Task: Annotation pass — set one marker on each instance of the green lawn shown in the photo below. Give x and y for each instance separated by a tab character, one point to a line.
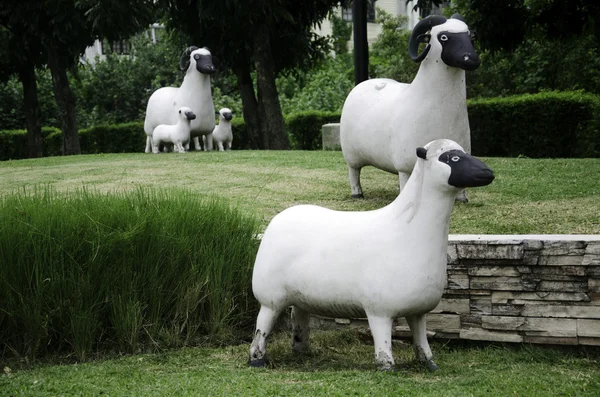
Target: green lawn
551	196
338	364
528	196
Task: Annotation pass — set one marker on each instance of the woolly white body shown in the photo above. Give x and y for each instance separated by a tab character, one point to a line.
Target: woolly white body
384	264
194	93
177	134
223	134
383	120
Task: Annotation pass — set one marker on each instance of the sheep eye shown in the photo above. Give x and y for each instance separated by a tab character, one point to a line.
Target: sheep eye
443	38
196	57
455	159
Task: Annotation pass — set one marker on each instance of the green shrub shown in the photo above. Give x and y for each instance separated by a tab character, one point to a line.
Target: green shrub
140	271
116	138
14	145
550	124
305	128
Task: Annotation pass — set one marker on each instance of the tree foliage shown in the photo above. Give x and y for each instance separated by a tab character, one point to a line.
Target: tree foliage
55	33
266	36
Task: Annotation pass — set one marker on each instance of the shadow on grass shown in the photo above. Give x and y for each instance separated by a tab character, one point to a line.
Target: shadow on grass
337	351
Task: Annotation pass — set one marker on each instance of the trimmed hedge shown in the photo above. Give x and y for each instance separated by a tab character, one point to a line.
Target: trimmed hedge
14	145
305	128
549	124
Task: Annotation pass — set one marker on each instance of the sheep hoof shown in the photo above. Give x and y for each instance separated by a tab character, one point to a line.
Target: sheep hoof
432	366
358	196
258	363
388	368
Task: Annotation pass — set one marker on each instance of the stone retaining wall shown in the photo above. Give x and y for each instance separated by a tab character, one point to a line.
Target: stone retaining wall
532	289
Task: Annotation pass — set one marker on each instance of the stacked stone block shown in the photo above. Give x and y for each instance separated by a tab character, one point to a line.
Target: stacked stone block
531	289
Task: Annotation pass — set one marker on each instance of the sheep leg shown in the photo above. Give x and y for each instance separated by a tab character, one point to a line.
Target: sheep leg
381	328
209	143
197	143
264	325
300	329
418	327
354	174
220	145
148	144
155	147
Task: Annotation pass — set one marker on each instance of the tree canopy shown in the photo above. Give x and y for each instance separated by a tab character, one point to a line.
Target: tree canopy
266	36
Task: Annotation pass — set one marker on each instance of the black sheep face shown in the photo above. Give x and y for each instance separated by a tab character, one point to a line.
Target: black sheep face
466	170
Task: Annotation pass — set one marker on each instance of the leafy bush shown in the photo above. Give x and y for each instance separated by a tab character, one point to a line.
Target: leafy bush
550	124
538	65
12	115
324	88
129	272
389	54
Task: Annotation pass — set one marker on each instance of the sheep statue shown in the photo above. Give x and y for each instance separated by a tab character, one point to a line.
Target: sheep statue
381	264
194	93
382	119
178	134
223	135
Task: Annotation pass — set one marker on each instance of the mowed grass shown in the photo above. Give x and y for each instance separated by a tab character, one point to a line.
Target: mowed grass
545	196
338	364
528	196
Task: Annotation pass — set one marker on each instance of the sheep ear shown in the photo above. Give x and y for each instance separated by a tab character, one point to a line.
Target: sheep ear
422	153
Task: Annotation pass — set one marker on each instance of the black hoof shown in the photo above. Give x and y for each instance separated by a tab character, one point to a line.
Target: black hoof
260	363
358	196
432	366
388	369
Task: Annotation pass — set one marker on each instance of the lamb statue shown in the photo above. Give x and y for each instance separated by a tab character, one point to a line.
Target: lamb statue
383	120
194	93
178	135
223	134
381	264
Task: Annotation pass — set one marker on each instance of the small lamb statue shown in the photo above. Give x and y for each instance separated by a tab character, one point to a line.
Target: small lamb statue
177	134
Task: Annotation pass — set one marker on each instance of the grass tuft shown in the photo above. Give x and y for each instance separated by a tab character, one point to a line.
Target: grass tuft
133	271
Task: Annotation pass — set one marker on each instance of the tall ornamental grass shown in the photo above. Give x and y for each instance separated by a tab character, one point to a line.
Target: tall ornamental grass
87	272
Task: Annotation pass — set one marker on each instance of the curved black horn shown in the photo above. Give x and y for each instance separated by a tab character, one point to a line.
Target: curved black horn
418	35
459	17
184	61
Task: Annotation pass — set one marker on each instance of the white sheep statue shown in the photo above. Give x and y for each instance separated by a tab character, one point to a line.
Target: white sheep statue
178	134
381	264
383	120
194	93
223	134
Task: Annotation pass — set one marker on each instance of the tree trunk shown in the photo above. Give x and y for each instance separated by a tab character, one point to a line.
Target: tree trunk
65	101
256	135
268	98
32	110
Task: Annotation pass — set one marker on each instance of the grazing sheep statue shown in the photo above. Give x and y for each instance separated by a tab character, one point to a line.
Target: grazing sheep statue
381	264
178	134
195	93
223	135
383	120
